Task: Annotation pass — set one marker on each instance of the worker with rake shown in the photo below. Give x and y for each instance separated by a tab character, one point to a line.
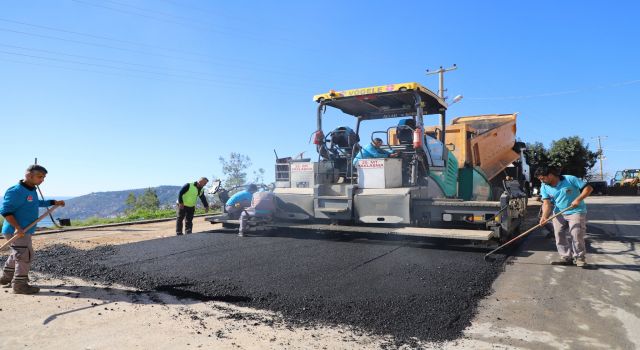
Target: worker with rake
570	228
20	211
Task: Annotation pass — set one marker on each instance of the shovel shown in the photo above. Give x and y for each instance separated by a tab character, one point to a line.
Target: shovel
49	211
489	258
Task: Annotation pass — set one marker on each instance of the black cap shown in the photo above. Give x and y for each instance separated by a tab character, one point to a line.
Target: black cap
36	167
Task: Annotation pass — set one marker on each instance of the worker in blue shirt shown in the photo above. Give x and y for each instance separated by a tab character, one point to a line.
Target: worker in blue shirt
373	150
239	201
559	192
20	209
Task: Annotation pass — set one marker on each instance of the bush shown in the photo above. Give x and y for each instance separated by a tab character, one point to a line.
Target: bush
136	215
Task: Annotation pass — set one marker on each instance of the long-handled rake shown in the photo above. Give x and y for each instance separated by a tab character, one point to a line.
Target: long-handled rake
49	211
488	257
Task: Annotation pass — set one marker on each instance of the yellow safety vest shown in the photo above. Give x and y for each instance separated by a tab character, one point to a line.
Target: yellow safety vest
190	198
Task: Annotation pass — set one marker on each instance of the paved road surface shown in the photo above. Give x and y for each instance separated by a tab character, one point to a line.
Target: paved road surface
538	306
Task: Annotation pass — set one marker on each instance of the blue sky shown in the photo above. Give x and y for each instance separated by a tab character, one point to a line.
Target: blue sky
118	94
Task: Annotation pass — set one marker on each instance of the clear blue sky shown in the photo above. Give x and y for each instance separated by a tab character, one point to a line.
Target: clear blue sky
119	94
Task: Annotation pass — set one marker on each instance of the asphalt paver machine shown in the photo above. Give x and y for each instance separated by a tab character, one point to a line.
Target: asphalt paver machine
423	191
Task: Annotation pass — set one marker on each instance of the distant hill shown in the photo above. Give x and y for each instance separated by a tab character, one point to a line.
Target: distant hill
109	204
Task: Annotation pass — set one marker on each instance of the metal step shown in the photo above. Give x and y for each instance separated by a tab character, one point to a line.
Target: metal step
333	210
222	218
476	235
456	203
333	197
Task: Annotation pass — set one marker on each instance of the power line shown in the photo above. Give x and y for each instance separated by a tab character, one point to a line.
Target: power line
221	79
557	93
79	33
147	16
207	59
234	84
189	23
111	60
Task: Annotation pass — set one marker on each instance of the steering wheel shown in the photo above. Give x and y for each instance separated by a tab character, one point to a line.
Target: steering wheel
216	187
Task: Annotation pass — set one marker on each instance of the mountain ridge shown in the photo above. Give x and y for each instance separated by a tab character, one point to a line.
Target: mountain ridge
111	203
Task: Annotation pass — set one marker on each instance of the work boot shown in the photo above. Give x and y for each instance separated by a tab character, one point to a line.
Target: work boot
7	276
240	233
178	233
188	232
563	261
24	288
581	262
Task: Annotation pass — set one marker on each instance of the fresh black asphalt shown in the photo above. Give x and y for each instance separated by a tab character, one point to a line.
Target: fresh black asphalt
405	288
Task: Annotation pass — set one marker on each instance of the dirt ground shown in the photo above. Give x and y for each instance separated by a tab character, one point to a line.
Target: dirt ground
75	314
534	305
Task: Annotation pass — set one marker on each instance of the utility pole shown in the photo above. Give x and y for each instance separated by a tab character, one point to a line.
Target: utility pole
440	73
441	91
600	155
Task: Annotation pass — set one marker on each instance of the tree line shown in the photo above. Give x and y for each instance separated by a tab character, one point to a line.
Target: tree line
569	154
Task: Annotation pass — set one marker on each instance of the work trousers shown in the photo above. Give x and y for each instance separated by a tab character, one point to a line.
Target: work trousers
246	215
570	231
21	257
185	214
233	212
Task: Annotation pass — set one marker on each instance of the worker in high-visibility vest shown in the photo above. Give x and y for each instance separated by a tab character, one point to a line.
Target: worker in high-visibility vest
187	199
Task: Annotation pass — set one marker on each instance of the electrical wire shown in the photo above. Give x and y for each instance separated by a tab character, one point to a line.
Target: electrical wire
190	23
557	93
115	61
219	62
237	85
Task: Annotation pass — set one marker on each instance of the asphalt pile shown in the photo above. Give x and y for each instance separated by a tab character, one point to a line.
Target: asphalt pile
407	289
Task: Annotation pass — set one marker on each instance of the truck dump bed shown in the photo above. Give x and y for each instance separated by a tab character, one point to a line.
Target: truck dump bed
484	141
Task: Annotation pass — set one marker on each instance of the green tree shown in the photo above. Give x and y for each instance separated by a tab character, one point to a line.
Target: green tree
258	176
234	169
536	155
148	200
572	156
131	202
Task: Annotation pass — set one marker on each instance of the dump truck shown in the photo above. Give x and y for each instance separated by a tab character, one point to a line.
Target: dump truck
453	184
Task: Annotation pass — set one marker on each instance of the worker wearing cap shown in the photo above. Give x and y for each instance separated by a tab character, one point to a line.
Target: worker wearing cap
373	150
20	209
239	201
570	228
187	199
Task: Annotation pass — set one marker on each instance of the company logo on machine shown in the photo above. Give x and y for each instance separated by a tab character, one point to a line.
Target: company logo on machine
302	167
371	163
